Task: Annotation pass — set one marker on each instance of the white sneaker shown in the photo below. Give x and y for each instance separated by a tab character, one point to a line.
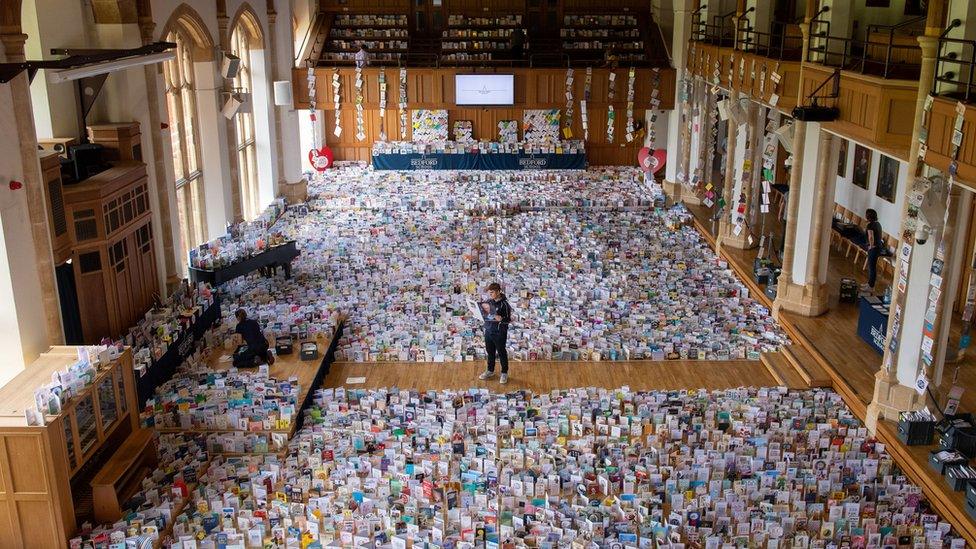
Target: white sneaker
504	379
486	375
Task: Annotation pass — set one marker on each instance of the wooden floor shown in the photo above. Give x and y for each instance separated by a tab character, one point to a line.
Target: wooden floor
852	363
546	376
285	367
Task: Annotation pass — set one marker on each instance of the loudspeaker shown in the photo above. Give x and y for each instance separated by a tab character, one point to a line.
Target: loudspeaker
246	104
231	106
283	96
231	66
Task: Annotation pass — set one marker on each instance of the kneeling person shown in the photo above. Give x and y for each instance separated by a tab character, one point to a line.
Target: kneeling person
257	344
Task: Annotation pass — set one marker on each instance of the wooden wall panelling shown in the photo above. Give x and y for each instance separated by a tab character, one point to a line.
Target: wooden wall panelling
434	88
941	122
485	8
368	6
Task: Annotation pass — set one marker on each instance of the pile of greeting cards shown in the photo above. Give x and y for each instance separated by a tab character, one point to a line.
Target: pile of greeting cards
351	186
242	240
593	270
582	467
162	326
464	146
206	400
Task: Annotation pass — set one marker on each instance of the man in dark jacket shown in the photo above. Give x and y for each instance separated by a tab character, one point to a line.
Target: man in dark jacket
497	314
257	344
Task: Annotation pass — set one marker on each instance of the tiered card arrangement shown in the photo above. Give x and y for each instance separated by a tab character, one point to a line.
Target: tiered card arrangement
482	147
508	131
587	467
463	131
429	125
540	126
242	240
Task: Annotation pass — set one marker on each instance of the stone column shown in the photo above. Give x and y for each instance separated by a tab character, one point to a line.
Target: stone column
955	239
792	209
32	318
677	143
890	397
272	47
223	37
165	233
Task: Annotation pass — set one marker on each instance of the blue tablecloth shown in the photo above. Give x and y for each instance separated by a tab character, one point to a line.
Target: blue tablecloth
475	161
872	323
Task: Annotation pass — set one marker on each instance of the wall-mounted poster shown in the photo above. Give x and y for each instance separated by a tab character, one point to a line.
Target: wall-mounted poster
887	178
842	159
862	166
429	125
508	131
463	131
540	125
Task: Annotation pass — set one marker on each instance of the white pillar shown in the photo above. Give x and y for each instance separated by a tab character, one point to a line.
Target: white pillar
54	24
913	314
23	324
265	131
214	160
291	150
679	57
808	191
953	278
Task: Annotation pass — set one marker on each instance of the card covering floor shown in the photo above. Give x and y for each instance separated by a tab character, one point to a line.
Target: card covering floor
593	269
586	467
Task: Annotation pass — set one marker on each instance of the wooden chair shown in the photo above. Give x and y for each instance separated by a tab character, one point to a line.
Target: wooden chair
854	220
835	237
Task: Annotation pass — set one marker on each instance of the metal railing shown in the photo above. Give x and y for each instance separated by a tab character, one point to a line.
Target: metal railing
719	32
775	44
955	68
878	58
892	28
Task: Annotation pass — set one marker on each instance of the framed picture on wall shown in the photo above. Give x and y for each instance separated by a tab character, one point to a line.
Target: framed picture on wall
862	166
842	159
887	178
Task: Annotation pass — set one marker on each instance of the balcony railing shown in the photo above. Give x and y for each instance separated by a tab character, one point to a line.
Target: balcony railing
885	57
719	32
954	68
783	42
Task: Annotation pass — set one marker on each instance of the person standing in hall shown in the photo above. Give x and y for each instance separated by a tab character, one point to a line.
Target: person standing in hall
875	245
497	314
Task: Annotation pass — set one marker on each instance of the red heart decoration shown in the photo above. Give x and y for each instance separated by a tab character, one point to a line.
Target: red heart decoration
660	159
644	159
321	159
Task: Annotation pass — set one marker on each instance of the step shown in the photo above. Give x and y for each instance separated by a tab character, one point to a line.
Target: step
807	366
782	370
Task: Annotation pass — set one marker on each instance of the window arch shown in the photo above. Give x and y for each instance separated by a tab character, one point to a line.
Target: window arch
192	45
244	39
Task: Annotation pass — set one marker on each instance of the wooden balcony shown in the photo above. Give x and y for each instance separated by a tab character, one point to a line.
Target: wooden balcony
747	73
941	124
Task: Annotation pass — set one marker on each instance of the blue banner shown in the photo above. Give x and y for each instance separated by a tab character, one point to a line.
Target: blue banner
475	161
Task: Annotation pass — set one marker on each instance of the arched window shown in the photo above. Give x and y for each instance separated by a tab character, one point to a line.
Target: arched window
181	104
242	41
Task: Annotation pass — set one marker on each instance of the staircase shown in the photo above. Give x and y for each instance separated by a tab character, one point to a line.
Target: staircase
794	367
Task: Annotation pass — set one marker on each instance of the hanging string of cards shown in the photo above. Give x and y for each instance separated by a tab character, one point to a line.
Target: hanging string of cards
587	84
382	104
655	104
360	125
316	138
630	105
336	97
402	103
568	126
611	115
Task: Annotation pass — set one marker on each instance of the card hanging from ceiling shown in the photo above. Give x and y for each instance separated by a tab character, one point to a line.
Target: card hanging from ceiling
587	84
568	126
631	75
382	78
429	125
540	126
402	103
316	135
360	122
655	105
611	114
336	102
